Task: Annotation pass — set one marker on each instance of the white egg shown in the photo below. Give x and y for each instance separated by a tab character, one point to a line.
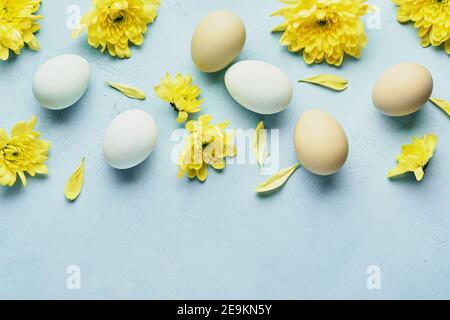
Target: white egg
259	86
61	81
130	139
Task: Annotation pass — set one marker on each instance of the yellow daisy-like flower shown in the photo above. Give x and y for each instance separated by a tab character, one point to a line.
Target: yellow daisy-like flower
181	94
431	17
415	156
113	24
18	25
23	153
207	144
325	30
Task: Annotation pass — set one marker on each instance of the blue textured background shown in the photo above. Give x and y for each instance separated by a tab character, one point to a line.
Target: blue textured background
145	234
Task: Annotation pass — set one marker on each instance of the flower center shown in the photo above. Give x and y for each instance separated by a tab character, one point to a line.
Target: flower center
118	17
321	16
442	1
10	152
325	16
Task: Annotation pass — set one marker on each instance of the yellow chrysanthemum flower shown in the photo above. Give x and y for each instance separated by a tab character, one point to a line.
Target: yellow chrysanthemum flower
431	17
181	94
23	153
113	24
415	156
207	144
18	25
325	30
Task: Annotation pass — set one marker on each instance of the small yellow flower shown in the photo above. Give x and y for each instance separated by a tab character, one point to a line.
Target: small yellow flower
430	17
181	94
113	24
23	153
325	30
415	156
18	25
207	144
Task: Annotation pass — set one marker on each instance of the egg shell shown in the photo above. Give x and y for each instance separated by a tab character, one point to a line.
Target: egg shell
129	139
320	142
259	86
61	81
217	40
403	89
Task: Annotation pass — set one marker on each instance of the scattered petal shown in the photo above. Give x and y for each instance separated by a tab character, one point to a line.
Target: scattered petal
75	183
444	105
260	144
329	81
129	91
277	180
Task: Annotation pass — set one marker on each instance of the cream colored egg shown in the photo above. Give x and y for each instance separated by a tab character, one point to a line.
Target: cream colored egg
130	139
259	86
217	40
320	142
403	89
61	81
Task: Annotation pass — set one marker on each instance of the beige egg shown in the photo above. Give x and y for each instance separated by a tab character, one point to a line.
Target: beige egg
217	40
403	89
320	142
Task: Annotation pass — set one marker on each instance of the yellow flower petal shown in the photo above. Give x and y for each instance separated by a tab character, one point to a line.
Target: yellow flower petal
182	116
277	180
396	172
77	31
260	144
329	81
129	91
3	138
444	105
202	174
419	174
23	127
22	178
279	28
75	183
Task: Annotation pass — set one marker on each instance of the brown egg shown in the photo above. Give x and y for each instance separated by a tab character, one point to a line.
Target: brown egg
217	40
403	89
320	142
